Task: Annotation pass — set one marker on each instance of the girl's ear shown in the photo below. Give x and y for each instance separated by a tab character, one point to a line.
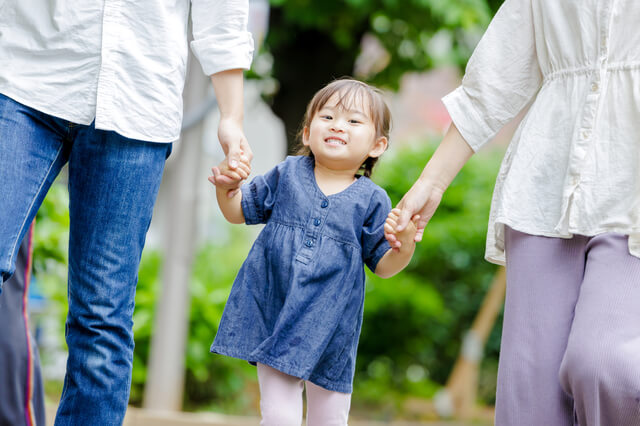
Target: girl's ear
379	147
305	136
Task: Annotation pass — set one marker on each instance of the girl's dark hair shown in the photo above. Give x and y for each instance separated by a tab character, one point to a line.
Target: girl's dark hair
348	90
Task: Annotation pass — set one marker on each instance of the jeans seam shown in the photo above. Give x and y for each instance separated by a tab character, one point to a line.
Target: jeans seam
46	176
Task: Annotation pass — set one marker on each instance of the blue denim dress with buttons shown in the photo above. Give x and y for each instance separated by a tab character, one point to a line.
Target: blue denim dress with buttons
296	304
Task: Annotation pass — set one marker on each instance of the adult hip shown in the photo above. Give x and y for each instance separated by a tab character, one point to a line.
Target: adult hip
569	352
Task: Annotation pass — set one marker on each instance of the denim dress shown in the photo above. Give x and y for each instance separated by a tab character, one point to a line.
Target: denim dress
296	304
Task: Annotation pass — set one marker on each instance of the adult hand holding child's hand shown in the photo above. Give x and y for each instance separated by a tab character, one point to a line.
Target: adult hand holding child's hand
401	238
223	177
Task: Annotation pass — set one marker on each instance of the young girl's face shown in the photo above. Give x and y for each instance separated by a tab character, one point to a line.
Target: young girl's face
342	135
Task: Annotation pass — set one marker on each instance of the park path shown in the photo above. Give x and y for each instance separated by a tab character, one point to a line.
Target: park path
139	417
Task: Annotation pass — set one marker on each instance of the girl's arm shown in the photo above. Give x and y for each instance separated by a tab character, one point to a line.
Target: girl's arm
231	207
229	195
397	258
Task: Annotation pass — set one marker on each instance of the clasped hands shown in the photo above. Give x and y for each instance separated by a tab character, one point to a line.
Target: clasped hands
229	179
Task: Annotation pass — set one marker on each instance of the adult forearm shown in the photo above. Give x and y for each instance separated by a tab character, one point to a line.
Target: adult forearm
228	86
452	153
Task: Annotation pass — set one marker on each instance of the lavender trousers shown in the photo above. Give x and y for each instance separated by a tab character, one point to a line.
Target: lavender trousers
570	352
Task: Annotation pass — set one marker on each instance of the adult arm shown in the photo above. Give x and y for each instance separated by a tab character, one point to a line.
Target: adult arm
228	86
424	196
224	48
501	78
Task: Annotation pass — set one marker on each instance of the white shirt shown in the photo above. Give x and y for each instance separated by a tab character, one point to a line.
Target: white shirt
573	164
120	63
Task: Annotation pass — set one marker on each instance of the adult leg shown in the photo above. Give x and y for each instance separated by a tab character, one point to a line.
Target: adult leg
113	182
325	407
601	366
21	393
280	397
543	281
33	149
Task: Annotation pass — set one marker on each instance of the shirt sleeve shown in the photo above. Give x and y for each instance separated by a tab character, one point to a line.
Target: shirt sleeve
374	244
220	38
259	196
502	75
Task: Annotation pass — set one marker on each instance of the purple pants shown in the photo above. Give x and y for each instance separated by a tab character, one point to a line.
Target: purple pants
570	351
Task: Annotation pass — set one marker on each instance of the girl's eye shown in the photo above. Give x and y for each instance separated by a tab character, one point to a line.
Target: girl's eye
354	121
326	117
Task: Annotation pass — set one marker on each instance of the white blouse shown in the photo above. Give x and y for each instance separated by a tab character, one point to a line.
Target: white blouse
573	164
122	63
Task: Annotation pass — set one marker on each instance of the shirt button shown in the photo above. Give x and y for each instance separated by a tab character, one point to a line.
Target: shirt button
324	204
574	180
316	222
594	87
308	243
586	134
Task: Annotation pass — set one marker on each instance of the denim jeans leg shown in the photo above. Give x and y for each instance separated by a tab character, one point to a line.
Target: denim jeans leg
33	149
113	183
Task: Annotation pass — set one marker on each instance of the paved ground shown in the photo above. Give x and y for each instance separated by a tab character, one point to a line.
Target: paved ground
139	417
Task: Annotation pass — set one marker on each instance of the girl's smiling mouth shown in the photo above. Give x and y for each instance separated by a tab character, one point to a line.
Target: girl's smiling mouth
335	141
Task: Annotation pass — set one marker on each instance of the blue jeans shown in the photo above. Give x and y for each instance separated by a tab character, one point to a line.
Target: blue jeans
113	183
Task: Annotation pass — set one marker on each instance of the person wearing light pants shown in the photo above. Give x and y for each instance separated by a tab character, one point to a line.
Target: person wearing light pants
565	215
570	334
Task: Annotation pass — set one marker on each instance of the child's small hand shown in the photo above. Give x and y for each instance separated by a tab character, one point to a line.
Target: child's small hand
404	237
230	179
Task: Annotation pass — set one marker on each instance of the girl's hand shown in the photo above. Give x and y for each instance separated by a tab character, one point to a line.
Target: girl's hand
406	237
223	177
419	204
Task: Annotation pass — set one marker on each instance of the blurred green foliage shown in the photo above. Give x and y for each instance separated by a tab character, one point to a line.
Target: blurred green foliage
50	244
310	43
417	34
414	322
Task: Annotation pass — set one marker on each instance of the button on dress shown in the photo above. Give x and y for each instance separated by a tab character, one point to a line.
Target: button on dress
297	301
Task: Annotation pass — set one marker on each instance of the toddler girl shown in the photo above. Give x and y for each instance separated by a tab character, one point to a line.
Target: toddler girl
295	308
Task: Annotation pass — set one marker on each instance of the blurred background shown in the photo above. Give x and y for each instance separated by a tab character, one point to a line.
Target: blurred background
418	325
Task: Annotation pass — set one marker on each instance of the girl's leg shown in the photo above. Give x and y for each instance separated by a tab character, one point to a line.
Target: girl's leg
280	397
601	366
326	408
543	281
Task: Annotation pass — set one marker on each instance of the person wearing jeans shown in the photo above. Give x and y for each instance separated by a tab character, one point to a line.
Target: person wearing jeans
97	86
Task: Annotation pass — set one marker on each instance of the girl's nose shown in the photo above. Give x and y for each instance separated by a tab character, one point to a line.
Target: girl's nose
338	126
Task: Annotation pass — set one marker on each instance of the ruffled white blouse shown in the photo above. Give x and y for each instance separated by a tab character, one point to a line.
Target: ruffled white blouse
573	164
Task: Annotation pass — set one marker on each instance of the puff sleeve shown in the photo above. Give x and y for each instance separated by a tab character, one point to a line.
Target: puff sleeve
374	244
501	77
259	196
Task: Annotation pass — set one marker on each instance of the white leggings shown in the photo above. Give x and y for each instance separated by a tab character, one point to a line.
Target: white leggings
281	401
